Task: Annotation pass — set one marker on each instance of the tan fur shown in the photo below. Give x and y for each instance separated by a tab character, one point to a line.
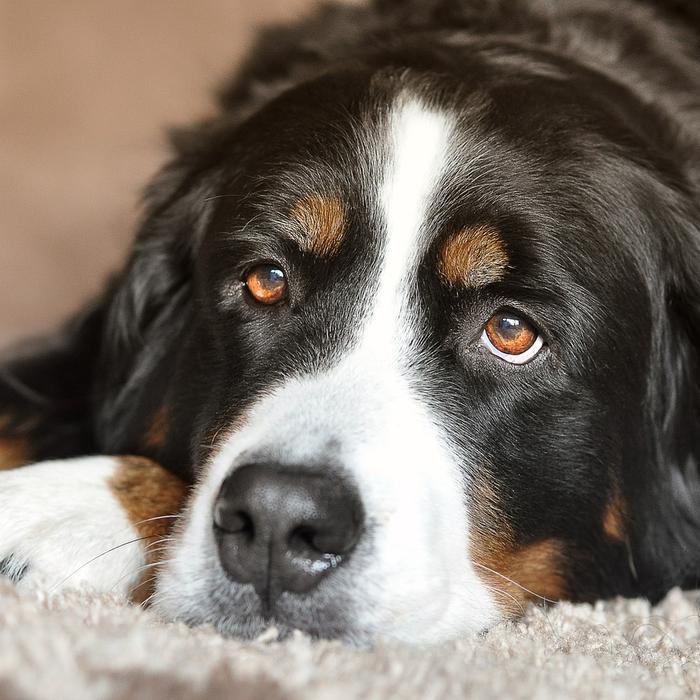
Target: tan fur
14	447
14	452
155	437
473	257
146	491
518	574
614	518
322	223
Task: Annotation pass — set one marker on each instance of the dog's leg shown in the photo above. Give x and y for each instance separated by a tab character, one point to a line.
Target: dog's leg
93	522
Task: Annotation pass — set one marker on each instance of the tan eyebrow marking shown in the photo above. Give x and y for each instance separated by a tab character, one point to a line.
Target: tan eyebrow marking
474	256
322	220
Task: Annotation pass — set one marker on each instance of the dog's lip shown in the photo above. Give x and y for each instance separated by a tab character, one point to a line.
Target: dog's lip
271	626
278	621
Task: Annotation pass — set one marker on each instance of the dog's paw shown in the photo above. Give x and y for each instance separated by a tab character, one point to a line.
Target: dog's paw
63	525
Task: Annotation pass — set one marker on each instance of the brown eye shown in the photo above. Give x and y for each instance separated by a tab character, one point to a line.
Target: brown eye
511	338
267	284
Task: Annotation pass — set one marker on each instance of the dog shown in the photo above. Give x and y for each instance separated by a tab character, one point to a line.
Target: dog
407	339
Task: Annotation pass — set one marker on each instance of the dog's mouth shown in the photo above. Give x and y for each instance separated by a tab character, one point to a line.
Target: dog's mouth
242	613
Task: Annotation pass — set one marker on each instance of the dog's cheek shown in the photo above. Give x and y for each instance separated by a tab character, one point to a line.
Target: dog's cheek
517	573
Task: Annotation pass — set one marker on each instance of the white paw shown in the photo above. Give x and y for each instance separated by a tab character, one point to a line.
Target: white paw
62	527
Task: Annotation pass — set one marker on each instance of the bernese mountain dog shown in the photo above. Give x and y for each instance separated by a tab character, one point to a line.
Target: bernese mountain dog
407	339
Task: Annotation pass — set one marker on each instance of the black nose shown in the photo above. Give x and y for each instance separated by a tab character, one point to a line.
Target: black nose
284	530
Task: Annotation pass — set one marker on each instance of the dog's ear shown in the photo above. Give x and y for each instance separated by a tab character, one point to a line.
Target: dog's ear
46	389
69	392
74	392
665	507
150	306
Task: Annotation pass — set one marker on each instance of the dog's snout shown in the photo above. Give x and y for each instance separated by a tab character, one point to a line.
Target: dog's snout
283	530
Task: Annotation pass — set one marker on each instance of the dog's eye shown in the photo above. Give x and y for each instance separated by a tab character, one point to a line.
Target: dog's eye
266	283
511	338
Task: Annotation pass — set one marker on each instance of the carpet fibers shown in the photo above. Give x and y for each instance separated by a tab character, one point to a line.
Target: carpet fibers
80	646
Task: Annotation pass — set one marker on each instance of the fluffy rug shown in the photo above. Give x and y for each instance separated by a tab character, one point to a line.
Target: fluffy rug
77	646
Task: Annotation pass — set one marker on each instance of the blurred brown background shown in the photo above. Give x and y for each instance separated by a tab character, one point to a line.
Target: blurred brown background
86	87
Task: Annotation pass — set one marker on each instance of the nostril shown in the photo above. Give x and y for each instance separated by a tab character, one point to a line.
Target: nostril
324	540
312	555
301	538
312	542
334	543
234	522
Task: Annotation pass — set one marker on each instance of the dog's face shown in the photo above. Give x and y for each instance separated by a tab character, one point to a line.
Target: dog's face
410	351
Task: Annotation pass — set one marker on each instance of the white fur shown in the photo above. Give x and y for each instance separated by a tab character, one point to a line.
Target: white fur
60	519
418	142
417	583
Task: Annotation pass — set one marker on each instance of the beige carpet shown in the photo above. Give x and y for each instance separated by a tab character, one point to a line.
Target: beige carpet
81	647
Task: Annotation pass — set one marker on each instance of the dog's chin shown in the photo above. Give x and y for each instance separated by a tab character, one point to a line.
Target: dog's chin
273	629
235	610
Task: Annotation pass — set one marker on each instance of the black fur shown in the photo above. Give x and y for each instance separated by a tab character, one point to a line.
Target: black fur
593	126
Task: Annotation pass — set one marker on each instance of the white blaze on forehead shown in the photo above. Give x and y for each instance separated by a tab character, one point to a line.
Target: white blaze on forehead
416	581
418	142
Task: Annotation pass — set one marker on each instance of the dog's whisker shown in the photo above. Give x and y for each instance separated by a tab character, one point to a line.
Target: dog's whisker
157	546
95	558
158	517
216	435
500	591
527	590
139	572
150	547
515	583
213	198
148	600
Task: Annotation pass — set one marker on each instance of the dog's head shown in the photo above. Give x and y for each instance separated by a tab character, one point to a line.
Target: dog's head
426	342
